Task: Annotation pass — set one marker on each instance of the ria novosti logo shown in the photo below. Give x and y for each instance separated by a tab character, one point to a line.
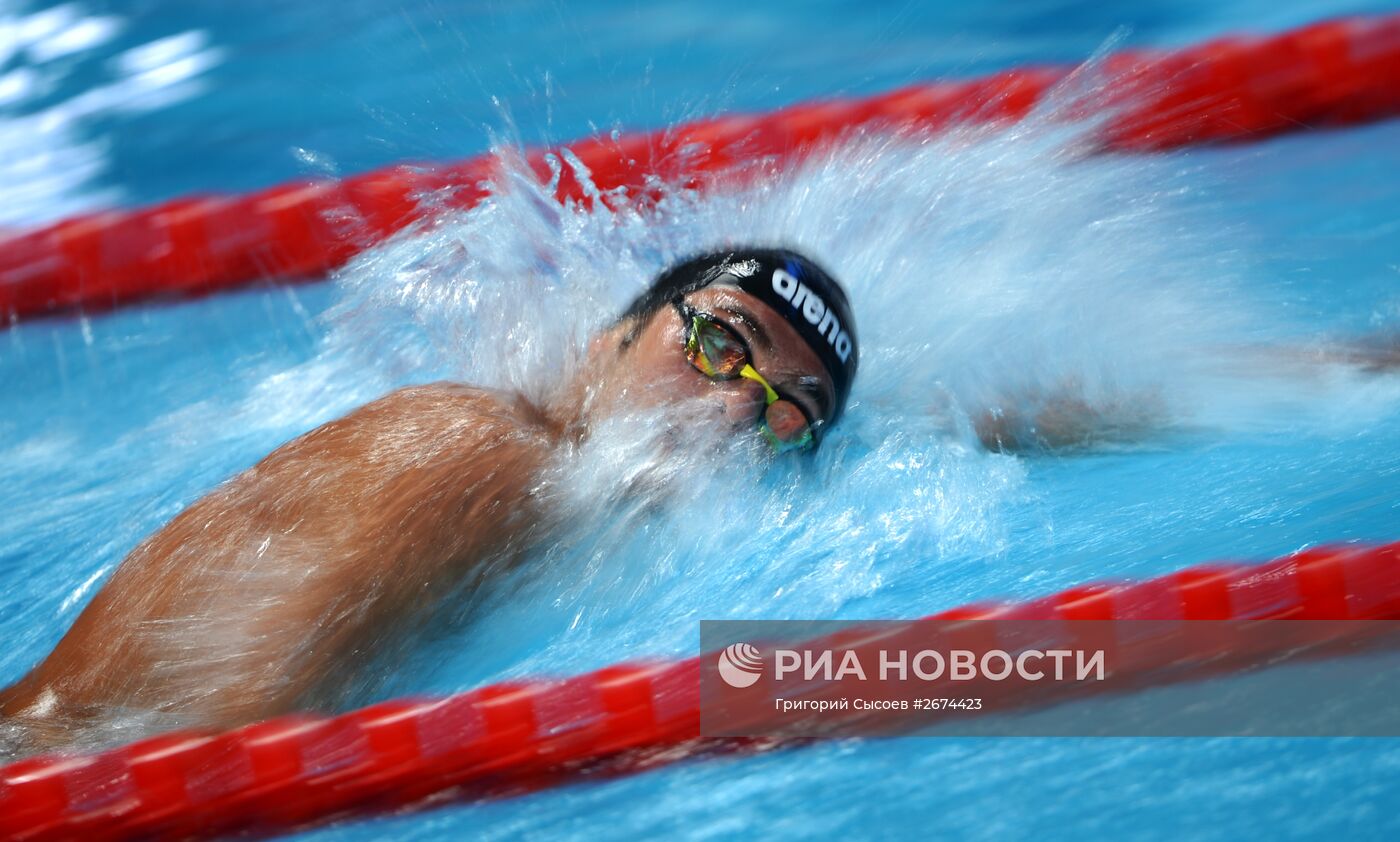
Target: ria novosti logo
740	665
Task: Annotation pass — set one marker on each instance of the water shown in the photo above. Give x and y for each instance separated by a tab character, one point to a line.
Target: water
987	270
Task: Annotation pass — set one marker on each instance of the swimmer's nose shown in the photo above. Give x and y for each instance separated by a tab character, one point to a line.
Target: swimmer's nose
744	401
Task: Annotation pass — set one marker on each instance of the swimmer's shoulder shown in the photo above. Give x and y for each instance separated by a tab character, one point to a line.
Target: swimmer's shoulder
453	410
441	397
452	427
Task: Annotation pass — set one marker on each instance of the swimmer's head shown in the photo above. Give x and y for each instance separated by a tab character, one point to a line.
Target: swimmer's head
766	331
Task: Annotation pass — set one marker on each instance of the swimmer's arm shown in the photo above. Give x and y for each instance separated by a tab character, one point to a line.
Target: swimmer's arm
268	591
1067	420
1376	354
1010	429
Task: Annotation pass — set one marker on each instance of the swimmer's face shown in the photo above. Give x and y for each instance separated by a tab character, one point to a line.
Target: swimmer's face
654	370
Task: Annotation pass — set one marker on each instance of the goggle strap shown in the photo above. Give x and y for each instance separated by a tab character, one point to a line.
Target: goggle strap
750	373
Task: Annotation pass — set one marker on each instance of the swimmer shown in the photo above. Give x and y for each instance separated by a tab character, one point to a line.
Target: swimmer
264	596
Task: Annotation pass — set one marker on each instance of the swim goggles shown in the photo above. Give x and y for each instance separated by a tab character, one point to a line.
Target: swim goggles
719	353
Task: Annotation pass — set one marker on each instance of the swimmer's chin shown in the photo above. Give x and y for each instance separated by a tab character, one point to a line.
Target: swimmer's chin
653	453
699	435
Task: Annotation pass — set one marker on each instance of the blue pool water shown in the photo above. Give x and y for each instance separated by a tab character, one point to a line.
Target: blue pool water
987	269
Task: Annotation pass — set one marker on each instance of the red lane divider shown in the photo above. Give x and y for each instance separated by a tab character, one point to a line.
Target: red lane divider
296	770
1235	88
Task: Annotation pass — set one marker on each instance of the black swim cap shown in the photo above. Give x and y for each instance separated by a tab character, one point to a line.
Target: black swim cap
800	291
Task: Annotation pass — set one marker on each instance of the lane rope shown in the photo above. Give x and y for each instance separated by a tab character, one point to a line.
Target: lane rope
1229	89
297	770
